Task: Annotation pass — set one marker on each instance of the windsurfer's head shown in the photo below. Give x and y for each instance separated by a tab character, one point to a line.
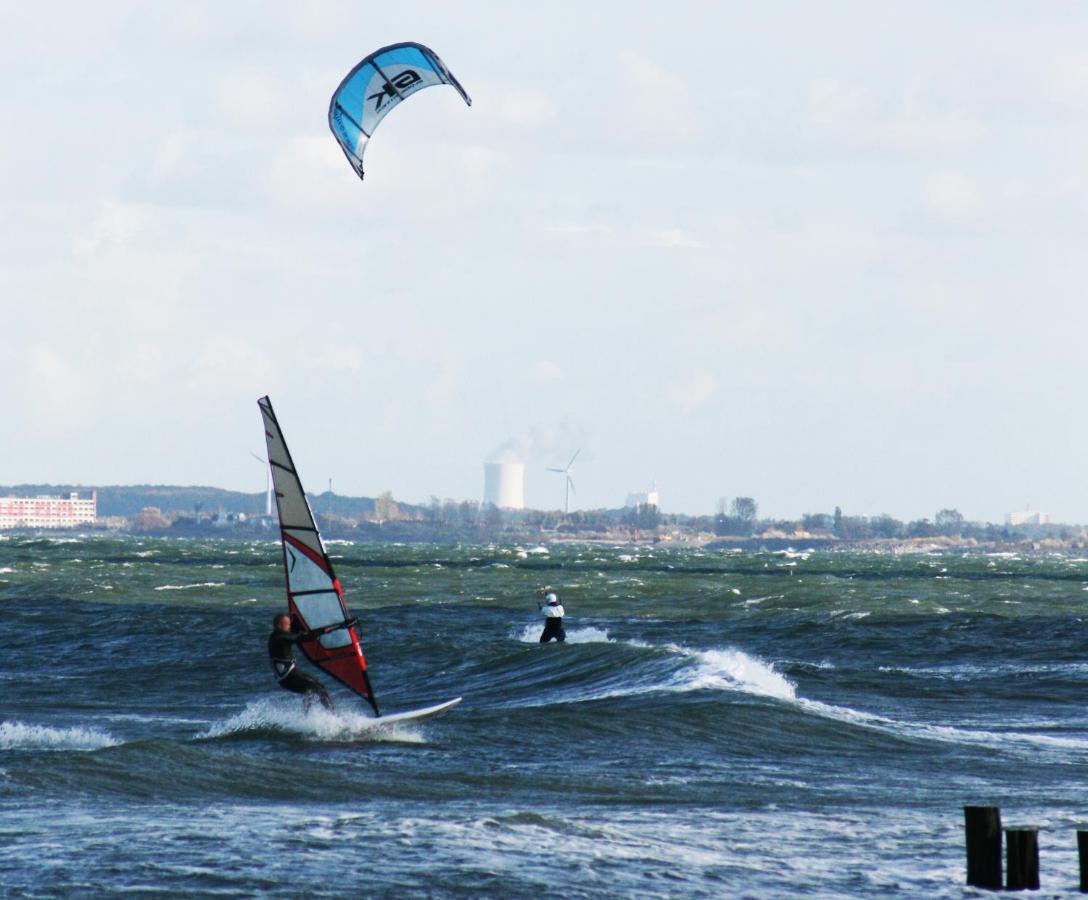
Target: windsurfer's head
550	598
281	621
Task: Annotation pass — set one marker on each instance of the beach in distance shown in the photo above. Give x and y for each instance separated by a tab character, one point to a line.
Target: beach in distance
774	724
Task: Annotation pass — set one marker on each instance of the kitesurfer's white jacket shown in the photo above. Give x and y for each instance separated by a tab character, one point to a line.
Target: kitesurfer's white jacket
551	608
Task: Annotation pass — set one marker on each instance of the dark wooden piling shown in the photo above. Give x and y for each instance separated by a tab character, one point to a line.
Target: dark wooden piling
1082	853
1022	861
982	825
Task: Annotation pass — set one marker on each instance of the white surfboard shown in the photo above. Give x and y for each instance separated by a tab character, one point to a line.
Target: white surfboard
416	715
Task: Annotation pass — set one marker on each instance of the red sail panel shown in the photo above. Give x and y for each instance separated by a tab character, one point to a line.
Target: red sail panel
314	594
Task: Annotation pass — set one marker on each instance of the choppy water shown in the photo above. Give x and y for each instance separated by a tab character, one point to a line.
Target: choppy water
717	724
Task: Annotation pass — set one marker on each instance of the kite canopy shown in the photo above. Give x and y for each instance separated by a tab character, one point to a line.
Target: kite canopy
381	81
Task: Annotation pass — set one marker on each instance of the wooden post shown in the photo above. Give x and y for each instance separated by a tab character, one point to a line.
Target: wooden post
1022	867
1082	852
982	825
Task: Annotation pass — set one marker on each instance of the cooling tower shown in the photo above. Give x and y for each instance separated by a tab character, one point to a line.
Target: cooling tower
504	484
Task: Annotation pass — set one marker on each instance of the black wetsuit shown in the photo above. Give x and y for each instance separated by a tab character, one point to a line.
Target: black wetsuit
553	628
281	650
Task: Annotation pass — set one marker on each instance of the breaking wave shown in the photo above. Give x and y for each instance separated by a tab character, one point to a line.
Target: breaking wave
19	736
530	634
724	669
286	717
731	669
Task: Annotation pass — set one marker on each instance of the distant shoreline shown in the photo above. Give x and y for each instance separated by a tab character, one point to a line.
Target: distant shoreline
201	511
754	544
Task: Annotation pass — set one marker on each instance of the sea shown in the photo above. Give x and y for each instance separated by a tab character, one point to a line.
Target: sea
718	724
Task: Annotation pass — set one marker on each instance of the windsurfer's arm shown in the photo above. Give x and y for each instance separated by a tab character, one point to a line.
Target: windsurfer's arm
298	637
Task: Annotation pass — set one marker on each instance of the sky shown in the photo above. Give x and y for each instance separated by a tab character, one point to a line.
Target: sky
816	254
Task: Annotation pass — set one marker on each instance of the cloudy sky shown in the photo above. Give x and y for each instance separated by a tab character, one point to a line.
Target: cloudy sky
817	254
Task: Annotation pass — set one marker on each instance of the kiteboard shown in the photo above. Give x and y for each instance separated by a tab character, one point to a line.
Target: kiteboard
314	595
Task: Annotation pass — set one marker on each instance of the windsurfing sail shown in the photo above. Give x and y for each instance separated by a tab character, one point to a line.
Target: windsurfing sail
377	84
314	594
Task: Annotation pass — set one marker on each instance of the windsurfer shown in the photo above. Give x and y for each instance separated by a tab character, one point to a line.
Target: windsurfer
552	611
281	651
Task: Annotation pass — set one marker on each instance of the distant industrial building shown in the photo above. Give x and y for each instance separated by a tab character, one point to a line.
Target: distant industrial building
649	498
504	484
48	512
1027	518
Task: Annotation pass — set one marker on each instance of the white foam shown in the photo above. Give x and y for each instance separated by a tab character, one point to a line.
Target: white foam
726	669
8	570
318	724
18	736
189	587
732	670
530	634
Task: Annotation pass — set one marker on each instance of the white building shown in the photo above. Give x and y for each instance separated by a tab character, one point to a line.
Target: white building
1027	517
48	512
504	484
649	498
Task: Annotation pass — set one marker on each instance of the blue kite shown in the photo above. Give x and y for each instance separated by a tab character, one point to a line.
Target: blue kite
377	84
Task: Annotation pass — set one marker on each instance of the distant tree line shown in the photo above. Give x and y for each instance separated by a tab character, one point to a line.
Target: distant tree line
739	518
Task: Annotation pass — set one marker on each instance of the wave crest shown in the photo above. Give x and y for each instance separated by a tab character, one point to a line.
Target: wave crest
20	736
286	716
733	670
723	669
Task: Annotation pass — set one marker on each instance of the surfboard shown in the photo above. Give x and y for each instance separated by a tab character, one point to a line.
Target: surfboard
314	595
417	715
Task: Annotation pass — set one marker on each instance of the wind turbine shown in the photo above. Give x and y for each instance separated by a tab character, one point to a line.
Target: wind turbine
568	471
267	482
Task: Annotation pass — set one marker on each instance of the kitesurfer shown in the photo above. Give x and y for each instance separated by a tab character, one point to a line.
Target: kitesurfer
281	651
552	611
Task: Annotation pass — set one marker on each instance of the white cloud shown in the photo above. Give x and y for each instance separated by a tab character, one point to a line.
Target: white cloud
228	363
446	384
745	326
862	120
696	391
175	155
251	99
655	101
115	225
1066	79
58	390
948	305
309	172
579	229
339	358
674	238
952	196
524	107
547	370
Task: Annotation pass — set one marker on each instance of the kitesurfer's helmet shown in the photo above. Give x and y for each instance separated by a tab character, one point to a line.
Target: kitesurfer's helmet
550	598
